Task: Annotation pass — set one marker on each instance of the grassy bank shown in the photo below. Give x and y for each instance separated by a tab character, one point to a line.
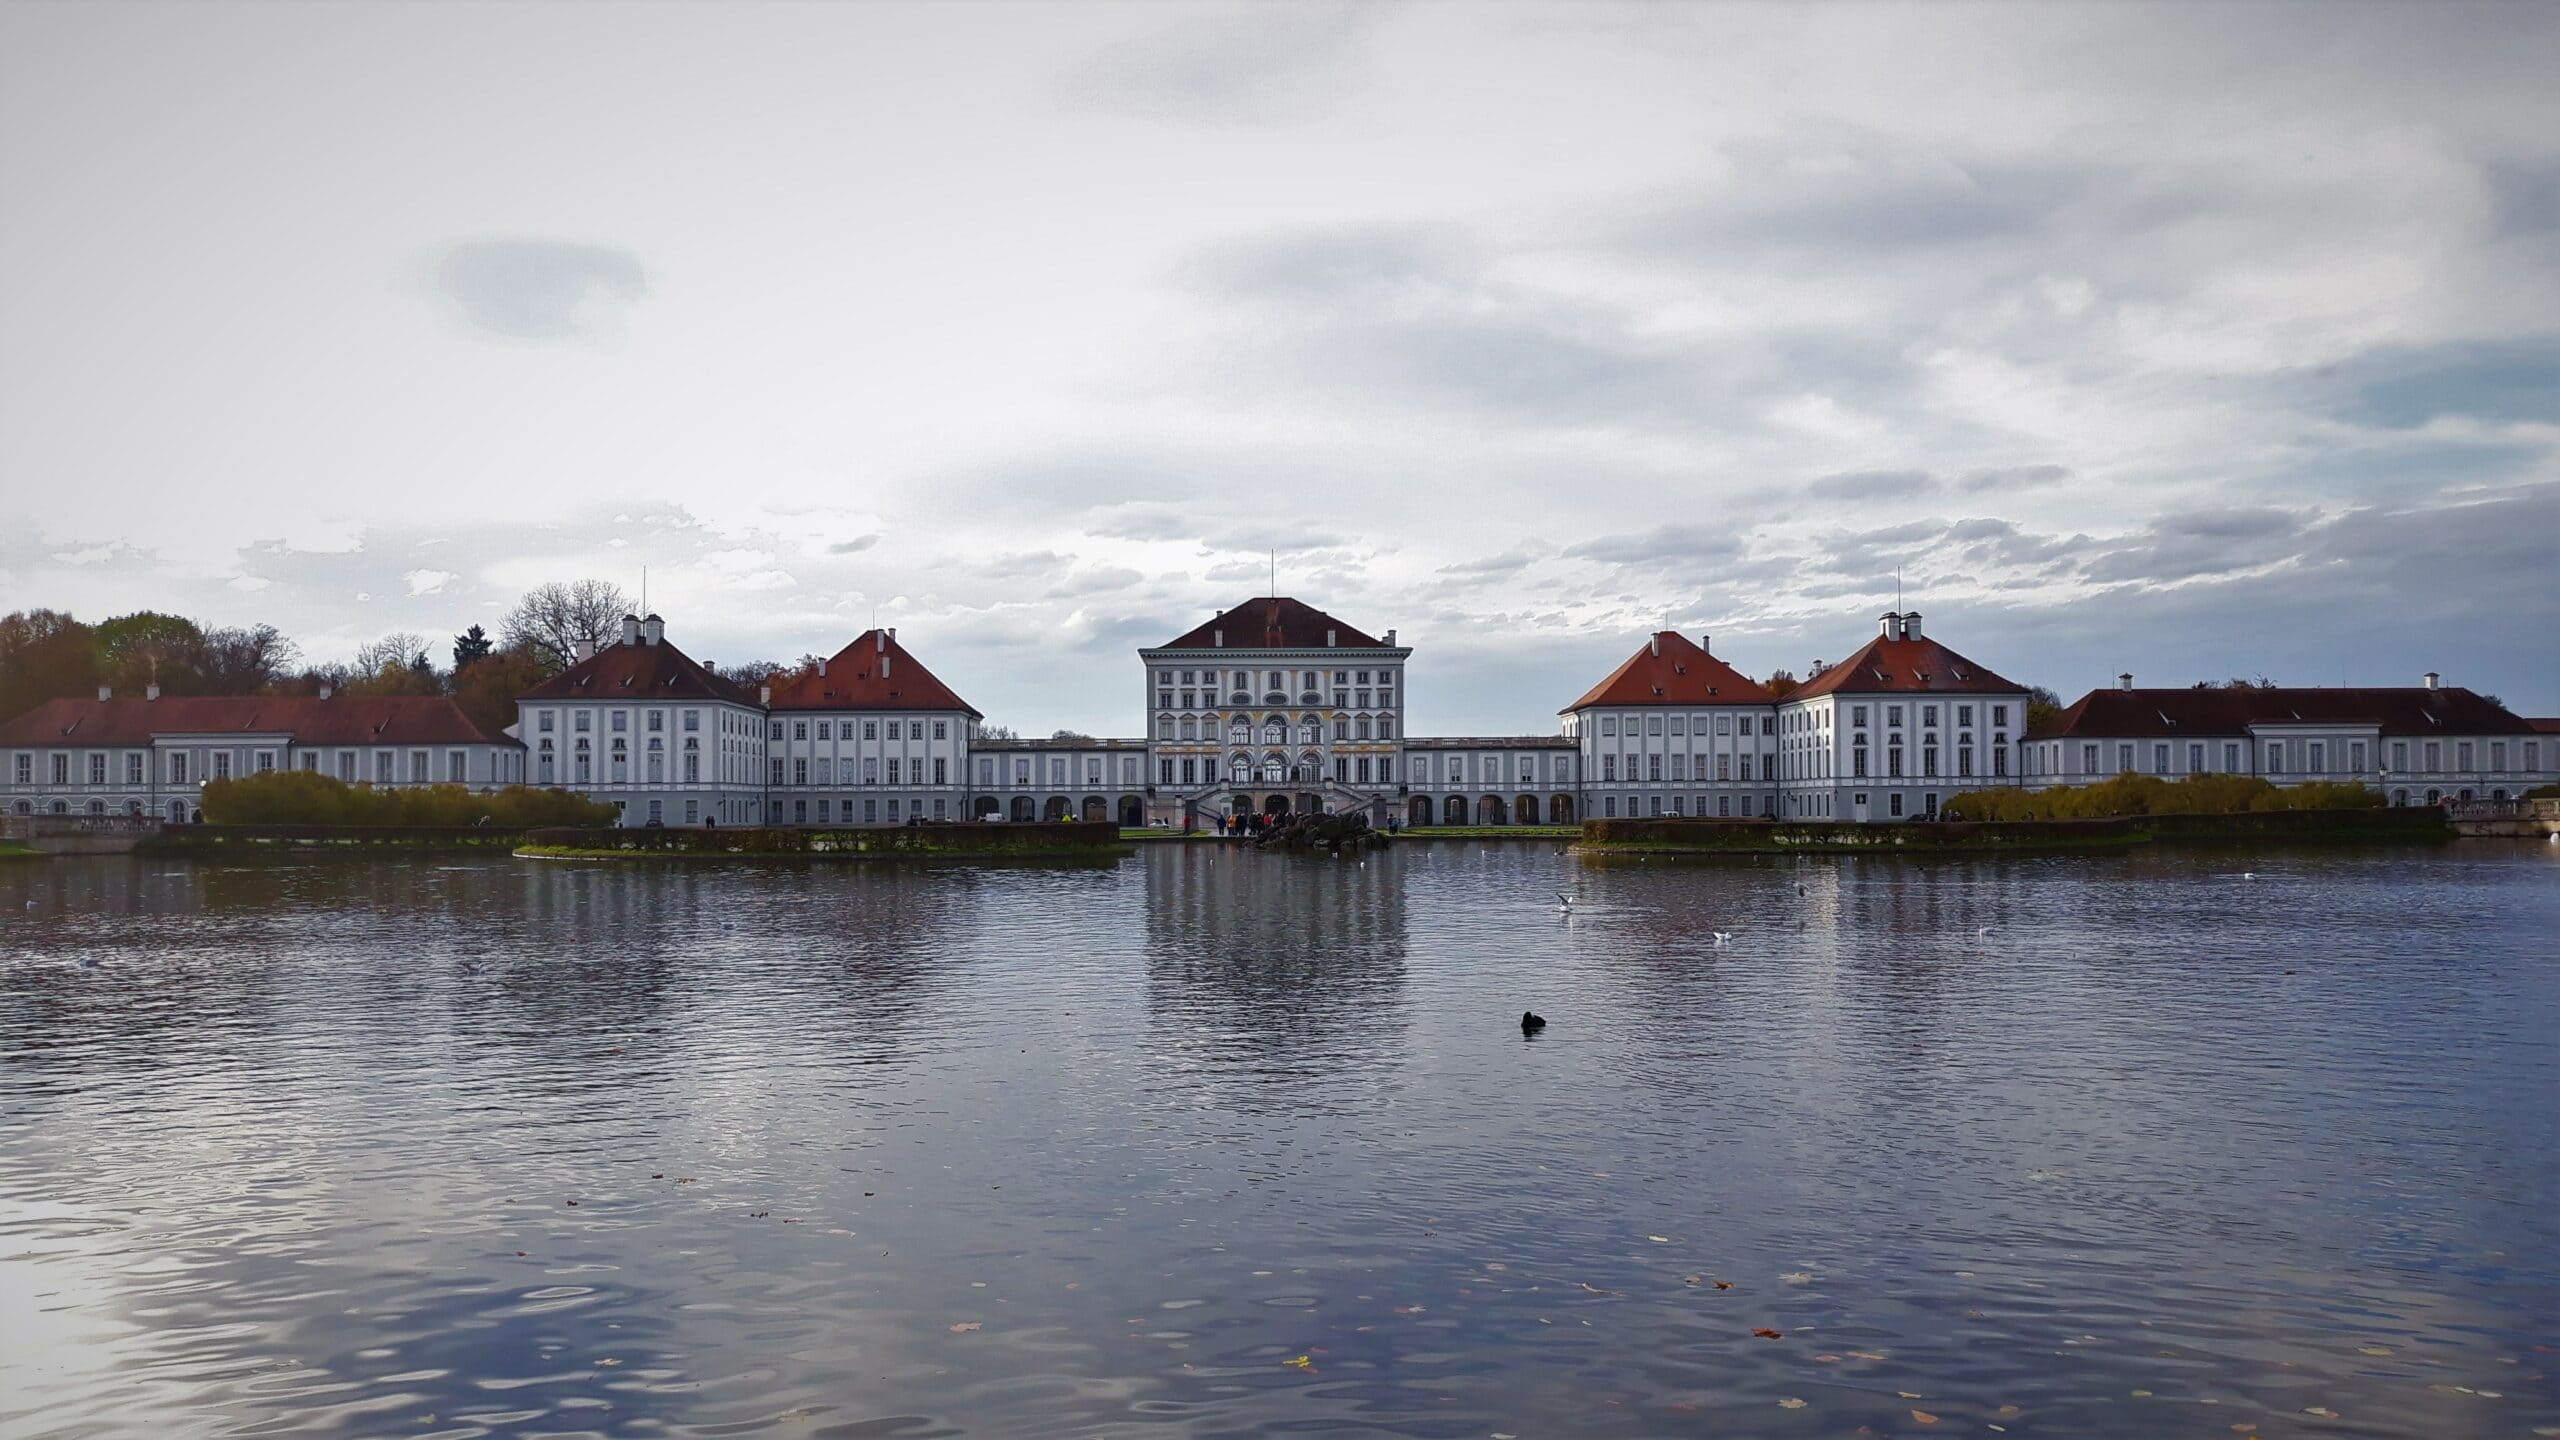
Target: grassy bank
18	852
1067	840
1782	837
254	841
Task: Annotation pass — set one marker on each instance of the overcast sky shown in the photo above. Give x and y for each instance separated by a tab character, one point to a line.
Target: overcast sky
2195	340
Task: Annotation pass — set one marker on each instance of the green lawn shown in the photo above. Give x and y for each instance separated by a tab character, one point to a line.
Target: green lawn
9	851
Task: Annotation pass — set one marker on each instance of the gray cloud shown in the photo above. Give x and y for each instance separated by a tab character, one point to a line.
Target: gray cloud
2505	381
526	289
1872	484
854	546
2018	477
1259	64
1685	541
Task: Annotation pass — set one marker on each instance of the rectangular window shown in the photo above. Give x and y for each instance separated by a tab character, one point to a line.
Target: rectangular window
1608	768
133	766
2533	755
2462	755
2159	759
941	772
311	760
1964	715
1894	803
1653	724
1724	767
1744	772
1724	724
775	769
692	809
870	811
1679	767
2230	759
1857	717
621	722
1893	716
692	721
2275	757
893	769
657	726
1608	724
1724	807
2497	755
2435	755
2195	759
1609	806
582	720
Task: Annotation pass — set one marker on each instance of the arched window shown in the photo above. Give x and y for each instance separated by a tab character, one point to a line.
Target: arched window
1274	769
1275	733
1309	732
1240	769
1240	730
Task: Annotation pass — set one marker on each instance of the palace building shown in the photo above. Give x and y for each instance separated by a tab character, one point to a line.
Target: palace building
150	757
1275	707
2419	745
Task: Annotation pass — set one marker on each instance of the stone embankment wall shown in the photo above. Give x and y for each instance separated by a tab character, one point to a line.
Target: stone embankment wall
1707	837
250	841
1070	837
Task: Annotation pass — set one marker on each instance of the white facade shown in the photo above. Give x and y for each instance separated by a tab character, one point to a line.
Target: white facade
2422	745
1896	730
1274	705
641	726
152	757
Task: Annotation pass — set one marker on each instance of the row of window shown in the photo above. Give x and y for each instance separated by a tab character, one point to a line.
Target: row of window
1380	699
1273	679
843	730
2301	757
1276	730
181	767
825	772
730	722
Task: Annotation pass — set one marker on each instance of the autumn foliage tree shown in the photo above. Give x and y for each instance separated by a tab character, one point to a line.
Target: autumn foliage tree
306	797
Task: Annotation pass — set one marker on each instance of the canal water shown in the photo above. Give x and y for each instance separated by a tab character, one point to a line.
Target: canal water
1214	1143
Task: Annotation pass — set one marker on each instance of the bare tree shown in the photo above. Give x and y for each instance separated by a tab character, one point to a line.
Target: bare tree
396	651
551	619
244	661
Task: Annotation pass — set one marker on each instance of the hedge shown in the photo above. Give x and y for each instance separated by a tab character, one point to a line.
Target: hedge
305	797
2132	794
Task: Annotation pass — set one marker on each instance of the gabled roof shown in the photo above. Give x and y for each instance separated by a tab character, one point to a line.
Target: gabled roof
2545	724
308	719
875	672
639	671
2406	710
1274	623
1905	667
1673	669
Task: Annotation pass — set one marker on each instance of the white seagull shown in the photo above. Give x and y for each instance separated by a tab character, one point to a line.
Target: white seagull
1721	937
1564	902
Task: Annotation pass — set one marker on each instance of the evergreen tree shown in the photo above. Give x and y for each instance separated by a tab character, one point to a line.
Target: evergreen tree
470	646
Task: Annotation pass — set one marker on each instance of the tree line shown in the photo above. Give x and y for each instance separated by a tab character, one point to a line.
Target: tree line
50	654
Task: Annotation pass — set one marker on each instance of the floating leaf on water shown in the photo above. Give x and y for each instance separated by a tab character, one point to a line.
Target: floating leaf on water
2141	1394
1304	1362
2323	1411
1724	1284
1765	1333
2373	1349
1924	1417
1798	1277
966	1327
1910	1394
608	1362
1791	1403
1659	1239
1594	1289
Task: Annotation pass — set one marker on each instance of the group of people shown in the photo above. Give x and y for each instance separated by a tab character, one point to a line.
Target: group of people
1248	825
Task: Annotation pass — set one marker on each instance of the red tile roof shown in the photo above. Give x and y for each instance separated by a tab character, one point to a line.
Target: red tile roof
1274	623
856	679
1673	669
1905	667
2545	724
308	719
2407	710
639	671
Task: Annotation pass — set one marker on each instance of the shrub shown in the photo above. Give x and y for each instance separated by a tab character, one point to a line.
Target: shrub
304	797
2132	794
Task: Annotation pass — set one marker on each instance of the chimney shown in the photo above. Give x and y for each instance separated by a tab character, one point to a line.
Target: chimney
893	632
1391	637
586	649
1703	637
822	669
652	630
2432	678
630	629
1887	624
1653	645
150	692
107	692
2124	680
880	641
326	689
1910	624
764	693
